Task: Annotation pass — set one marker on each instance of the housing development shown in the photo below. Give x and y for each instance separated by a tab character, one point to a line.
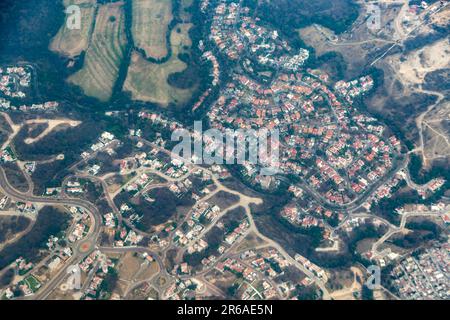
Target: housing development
301	185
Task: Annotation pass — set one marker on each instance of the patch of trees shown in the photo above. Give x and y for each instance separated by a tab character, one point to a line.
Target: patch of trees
187	78
232	290
420	176
294	239
15	176
332	62
36	129
12	225
349	254
224	199
421	232
385	208
69	142
366	293
3	137
36	21
195	259
290	15
110	281
7	277
423	40
306	293
162	209
50	221
49	175
437	80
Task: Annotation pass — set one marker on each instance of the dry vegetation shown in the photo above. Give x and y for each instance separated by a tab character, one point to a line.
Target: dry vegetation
413	68
436	126
105	53
151	19
148	81
72	43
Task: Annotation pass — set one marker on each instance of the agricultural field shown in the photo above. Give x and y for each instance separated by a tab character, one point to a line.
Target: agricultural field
147	81
151	19
105	53
71	43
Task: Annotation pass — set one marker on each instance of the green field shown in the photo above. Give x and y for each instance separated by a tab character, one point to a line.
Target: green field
32	283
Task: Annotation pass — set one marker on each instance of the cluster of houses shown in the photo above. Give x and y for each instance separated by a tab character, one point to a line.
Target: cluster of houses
202	213
110	220
13	80
230	238
315	269
237	35
7	155
105	140
182	290
255	286
74	187
34	276
352	89
82	223
424	277
5	105
26	208
125	237
305	218
101	265
340	152
431	187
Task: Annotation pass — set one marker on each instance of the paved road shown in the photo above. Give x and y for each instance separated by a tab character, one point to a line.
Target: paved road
78	254
402	227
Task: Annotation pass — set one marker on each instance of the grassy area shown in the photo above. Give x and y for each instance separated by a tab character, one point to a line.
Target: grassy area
148	81
105	53
32	283
69	42
151	19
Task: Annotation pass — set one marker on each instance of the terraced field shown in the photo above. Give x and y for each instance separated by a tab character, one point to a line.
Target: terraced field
151	19
69	42
104	54
148	81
